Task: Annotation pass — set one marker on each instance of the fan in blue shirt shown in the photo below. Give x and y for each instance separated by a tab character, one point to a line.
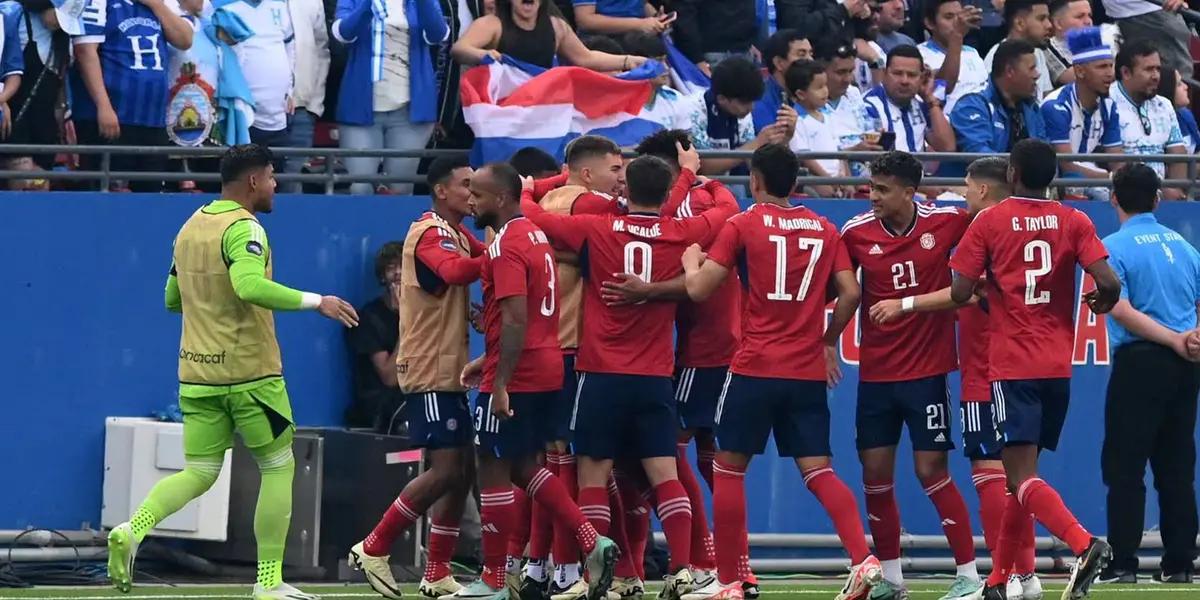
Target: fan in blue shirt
1080	117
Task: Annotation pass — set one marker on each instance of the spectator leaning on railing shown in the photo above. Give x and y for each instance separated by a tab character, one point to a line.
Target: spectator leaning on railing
388	97
119	86
814	131
36	105
535	33
1148	121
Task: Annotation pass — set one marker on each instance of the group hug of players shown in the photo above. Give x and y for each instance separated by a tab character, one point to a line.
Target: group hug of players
618	330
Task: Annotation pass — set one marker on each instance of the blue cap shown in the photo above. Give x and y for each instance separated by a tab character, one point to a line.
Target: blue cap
1087	46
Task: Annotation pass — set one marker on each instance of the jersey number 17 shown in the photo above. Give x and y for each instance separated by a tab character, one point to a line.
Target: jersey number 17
814	247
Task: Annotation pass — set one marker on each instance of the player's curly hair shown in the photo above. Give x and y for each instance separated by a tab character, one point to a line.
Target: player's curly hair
662	144
241	159
901	165
391	253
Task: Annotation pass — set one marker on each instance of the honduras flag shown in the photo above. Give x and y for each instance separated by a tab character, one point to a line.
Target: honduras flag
511	105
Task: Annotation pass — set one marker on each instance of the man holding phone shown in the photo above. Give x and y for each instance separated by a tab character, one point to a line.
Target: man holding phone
905	108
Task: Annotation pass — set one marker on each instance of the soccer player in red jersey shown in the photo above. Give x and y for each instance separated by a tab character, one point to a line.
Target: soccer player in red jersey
777	380
903	249
518	378
1029	246
440	250
594	171
987	185
624	401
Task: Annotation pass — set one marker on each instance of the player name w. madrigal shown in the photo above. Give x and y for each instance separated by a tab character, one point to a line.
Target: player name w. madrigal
1035	223
795	224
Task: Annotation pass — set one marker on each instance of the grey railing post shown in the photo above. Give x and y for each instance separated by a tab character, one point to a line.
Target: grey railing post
328	174
105	168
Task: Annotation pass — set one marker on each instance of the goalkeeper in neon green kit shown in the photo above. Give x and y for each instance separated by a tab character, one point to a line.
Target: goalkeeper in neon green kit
230	376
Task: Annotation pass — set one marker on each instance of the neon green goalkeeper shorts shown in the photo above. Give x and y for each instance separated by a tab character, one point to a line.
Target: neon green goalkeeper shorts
260	415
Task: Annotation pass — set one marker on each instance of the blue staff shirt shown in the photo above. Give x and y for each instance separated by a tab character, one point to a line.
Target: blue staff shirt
1159	272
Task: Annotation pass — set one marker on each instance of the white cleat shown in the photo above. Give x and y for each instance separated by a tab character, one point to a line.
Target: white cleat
627	588
862	578
377	570
1031	588
577	591
282	591
678	585
1013	590
715	591
445	586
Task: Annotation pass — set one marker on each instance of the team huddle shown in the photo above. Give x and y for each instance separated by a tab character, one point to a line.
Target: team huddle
620	330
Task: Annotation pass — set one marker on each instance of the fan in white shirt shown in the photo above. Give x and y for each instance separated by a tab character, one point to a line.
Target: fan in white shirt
1029	20
960	66
808	84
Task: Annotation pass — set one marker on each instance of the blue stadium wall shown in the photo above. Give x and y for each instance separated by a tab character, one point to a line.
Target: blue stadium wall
86	337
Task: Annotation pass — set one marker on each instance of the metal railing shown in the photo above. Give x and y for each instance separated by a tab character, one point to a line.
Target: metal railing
330	179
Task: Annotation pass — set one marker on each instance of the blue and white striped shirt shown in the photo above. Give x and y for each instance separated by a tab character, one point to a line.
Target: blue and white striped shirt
1067	122
133	58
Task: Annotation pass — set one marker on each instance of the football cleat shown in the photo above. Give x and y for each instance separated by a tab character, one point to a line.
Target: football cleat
963	587
716	591
575	591
122	553
600	563
628	588
862	578
478	590
1090	563
282	591
377	570
532	589
1031	587
678	585
445	586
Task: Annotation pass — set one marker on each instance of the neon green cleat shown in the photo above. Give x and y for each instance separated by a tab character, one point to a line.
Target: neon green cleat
600	564
122	552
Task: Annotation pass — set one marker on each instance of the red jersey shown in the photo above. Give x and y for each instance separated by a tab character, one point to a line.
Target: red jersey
789	256
629	340
520	262
438	262
973	353
893	266
707	332
1029	249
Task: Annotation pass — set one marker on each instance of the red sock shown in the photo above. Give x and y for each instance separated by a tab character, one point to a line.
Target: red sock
637	523
706	453
548	491
843	510
883	517
1023	563
496	508
565	549
956	521
1015	517
443	537
541	526
729	520
1047	507
990	485
520	528
398	517
593	502
703	551
675	514
618	532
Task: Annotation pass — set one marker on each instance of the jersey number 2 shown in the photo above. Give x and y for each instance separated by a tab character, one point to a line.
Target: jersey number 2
1037	251
813	245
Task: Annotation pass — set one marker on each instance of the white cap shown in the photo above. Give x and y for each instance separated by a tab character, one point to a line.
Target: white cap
69	14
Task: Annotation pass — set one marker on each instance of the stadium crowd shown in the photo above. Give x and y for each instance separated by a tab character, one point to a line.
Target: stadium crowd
819	75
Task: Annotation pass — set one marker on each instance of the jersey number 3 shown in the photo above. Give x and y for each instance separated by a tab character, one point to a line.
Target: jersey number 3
814	246
1037	252
552	283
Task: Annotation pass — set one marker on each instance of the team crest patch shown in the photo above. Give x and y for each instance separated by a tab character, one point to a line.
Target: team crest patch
927	241
448	245
254	248
451	424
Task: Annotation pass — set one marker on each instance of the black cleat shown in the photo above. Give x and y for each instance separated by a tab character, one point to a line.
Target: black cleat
994	592
532	589
750	591
1111	575
1087	567
1184	577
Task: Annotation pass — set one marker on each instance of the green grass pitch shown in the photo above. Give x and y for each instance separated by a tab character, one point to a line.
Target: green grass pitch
771	591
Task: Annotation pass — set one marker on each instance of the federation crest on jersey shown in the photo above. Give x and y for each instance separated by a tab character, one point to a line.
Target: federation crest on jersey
190	110
448	245
927	241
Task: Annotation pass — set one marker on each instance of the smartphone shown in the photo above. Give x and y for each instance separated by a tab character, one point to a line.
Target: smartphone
671	16
887	140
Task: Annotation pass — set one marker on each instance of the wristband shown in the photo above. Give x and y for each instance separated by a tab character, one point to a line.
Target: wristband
309	300
906	305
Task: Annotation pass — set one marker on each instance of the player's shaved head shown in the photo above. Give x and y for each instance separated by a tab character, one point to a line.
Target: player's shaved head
1032	166
649	178
248	178
590	147
595	163
495	195
773	169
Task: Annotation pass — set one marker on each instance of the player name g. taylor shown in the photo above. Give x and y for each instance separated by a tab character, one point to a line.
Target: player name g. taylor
1035	223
